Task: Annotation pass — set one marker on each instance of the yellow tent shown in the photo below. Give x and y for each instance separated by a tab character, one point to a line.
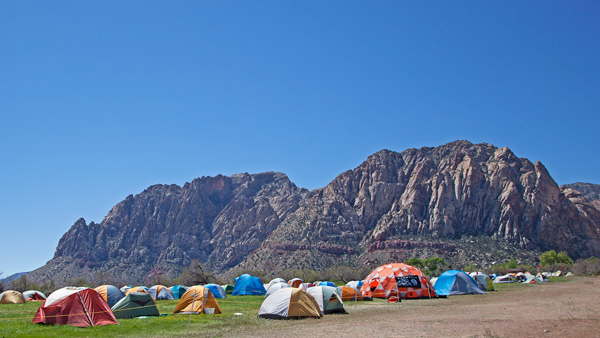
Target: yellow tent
195	300
11	297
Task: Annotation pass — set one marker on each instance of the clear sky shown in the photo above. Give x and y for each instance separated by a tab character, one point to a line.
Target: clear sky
99	100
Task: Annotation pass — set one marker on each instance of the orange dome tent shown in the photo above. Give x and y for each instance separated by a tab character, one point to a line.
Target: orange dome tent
397	279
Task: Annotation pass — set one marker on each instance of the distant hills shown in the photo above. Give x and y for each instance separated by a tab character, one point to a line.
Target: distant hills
13	276
466	202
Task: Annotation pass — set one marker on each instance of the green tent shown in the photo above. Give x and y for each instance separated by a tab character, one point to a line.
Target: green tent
228	288
135	304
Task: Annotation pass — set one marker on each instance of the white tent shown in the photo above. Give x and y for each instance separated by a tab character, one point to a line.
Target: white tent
328	299
275	287
289	303
274	281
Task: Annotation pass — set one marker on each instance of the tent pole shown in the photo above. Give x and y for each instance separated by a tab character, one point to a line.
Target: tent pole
192	310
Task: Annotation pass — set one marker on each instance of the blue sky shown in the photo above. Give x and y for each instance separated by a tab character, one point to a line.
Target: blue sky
99	100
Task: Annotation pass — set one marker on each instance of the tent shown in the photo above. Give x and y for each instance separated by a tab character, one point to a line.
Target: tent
228	288
289	303
248	285
273	281
136	289
80	307
328	299
275	287
217	290
455	282
161	292
531	279
178	290
305	286
195	300
34	296
397	279
326	283
135	304
295	282
505	279
348	293
482	280
110	294
11	297
355	284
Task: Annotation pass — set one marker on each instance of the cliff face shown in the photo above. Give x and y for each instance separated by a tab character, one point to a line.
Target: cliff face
400	204
217	220
589	191
393	206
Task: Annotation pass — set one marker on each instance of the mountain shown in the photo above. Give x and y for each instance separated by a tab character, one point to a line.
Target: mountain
401	204
14	276
590	191
218	220
464	201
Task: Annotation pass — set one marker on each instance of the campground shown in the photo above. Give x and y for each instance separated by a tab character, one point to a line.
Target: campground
566	306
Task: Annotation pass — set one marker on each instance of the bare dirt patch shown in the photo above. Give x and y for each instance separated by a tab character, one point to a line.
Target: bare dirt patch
566	308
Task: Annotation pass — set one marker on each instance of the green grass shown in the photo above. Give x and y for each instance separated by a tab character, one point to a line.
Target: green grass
16	321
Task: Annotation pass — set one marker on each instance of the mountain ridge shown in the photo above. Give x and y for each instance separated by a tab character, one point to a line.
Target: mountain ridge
391	206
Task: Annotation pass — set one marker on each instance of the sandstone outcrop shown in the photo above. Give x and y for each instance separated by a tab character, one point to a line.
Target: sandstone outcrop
463	201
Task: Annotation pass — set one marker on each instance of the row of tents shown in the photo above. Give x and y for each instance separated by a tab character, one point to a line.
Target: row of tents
283	299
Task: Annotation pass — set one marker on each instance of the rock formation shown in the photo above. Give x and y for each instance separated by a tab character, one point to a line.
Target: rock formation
457	200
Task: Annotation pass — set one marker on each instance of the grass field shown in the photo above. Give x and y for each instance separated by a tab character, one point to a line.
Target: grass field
16	319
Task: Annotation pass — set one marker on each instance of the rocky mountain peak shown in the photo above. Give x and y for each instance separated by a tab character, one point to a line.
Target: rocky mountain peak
393	206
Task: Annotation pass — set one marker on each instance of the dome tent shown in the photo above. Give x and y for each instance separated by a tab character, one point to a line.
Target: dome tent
195	300
248	285
289	303
401	279
74	306
455	282
34	296
160	292
482	280
217	290
275	281
135	304
328	299
348	293
178	290
110	294
275	287
11	297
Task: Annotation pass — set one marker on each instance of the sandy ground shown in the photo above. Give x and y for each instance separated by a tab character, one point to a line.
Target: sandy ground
556	309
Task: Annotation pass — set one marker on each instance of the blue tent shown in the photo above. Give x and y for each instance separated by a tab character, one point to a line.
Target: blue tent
327	283
248	285
217	290
455	282
178	290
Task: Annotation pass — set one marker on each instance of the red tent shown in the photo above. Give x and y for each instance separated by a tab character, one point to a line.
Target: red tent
76	307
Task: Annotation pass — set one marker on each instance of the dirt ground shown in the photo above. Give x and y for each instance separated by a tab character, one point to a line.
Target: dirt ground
568	308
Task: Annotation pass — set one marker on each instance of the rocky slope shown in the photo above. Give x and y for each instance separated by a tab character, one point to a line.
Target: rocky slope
590	191
463	201
217	220
394	204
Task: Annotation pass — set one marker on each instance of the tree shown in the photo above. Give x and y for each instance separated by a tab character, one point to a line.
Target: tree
550	258
415	262
512	264
196	274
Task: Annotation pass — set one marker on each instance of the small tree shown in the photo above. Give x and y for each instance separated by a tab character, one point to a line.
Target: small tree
196	274
415	262
553	260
